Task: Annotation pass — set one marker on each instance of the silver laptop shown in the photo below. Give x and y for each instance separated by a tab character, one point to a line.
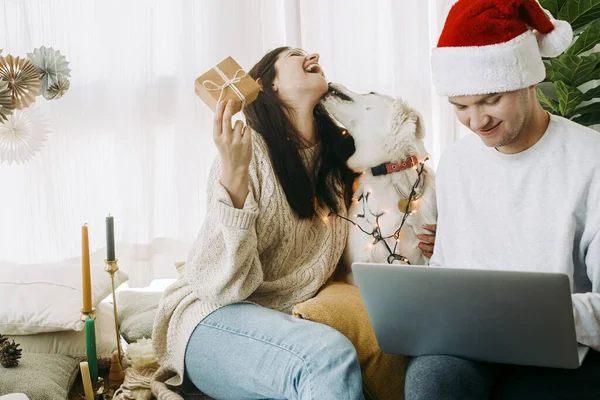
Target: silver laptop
508	317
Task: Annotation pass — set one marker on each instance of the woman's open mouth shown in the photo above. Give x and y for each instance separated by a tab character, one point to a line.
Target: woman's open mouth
314	69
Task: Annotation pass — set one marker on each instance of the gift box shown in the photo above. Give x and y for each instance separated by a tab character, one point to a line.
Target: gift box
227	81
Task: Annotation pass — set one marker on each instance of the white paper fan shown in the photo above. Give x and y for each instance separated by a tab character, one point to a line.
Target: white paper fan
51	66
22	135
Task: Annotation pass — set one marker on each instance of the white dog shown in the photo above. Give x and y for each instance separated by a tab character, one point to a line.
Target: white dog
391	156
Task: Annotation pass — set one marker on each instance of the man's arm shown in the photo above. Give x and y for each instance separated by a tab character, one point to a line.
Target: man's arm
586	306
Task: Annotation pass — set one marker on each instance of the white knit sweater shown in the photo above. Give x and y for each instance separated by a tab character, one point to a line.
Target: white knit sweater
538	210
262	253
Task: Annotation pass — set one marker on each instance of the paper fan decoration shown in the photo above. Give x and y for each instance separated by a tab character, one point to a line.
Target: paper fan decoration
22	135
58	90
23	80
51	66
6	102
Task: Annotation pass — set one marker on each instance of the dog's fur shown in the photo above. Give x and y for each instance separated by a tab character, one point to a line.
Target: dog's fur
385	130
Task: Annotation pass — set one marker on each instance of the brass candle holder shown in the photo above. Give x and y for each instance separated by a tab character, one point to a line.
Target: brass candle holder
112	267
88	314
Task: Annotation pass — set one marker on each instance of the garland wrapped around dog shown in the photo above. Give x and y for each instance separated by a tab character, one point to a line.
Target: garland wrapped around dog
376	233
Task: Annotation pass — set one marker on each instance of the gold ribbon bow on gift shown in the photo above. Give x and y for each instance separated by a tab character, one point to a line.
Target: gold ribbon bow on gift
212	86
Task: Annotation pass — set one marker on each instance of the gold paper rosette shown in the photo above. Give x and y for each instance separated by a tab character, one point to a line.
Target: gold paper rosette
6	101
58	89
23	80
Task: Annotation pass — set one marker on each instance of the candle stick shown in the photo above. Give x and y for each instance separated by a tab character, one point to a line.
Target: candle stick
90	348
85	271
110	238
87	383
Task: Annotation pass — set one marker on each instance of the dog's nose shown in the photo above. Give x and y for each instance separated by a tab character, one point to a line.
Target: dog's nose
334	87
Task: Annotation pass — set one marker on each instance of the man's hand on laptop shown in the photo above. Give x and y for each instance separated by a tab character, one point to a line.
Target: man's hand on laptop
427	241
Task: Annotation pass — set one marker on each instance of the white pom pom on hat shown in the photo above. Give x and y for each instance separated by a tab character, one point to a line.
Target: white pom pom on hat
553	43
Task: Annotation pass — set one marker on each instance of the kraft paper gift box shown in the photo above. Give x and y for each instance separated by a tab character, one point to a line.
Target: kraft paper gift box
226	81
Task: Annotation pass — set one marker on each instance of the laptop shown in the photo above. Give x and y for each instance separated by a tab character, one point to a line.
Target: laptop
508	317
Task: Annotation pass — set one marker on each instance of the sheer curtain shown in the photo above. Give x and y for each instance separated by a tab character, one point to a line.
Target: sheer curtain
131	138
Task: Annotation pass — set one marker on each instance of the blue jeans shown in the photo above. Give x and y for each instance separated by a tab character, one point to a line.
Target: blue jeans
244	351
447	378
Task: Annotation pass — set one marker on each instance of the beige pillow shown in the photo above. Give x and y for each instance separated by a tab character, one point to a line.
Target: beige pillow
39	298
40	376
340	306
72	343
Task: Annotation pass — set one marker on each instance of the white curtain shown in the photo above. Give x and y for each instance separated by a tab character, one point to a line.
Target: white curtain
131	138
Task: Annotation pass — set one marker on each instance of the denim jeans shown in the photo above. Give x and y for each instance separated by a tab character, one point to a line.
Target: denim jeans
445	377
244	351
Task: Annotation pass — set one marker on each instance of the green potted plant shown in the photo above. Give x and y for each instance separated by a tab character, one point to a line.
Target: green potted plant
570	88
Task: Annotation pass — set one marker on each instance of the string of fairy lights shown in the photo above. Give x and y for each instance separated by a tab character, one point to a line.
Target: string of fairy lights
376	233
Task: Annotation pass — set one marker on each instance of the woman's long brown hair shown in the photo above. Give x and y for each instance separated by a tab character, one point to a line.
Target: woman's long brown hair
267	116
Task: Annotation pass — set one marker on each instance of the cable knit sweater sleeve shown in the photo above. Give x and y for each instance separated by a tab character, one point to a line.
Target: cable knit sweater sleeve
224	266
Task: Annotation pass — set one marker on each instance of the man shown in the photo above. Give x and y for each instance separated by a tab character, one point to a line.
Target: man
523	193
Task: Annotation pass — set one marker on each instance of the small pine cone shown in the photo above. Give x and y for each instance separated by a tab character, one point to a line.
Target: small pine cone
10	354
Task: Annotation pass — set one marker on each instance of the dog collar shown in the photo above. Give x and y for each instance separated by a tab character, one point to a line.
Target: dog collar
388	168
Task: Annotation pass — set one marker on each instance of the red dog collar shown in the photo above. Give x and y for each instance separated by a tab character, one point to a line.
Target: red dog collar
388	168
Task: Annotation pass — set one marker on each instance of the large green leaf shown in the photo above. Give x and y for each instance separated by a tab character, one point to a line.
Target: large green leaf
550	74
579	12
590	115
589	38
591	94
574	70
568	98
554	6
547	103
589	109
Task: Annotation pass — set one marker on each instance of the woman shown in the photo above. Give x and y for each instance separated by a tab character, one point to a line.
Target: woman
266	245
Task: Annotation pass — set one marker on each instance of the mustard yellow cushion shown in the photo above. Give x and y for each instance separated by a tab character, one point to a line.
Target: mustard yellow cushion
340	306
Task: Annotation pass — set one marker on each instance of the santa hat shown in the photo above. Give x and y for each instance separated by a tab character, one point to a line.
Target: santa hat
486	47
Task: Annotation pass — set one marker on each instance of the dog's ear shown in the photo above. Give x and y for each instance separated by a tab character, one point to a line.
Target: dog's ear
419	124
405	117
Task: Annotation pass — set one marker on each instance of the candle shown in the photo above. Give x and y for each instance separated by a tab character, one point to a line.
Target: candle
110	238
90	348
85	271
87	383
